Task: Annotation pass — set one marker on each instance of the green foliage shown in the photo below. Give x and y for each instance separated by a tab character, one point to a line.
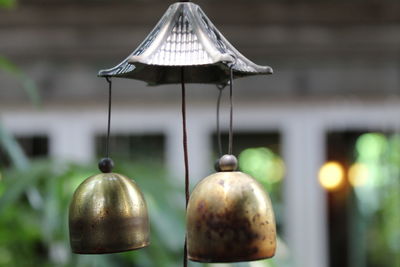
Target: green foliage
34	218
378	200
34	207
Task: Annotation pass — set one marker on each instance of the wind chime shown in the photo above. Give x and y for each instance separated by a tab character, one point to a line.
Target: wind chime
229	216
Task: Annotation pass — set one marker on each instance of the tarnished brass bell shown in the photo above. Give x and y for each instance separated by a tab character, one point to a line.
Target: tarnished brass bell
108	214
230	218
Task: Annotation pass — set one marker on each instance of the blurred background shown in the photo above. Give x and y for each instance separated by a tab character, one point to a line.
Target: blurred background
322	134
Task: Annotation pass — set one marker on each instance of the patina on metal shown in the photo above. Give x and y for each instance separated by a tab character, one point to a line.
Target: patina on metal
185	37
229	219
108	214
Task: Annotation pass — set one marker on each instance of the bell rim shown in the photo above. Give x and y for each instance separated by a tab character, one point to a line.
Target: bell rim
238	259
93	252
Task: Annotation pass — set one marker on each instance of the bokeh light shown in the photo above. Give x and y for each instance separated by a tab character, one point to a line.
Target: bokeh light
331	175
263	164
371	146
373	149
358	174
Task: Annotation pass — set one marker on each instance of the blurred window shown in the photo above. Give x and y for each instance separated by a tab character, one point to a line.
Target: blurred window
134	147
364	211
34	146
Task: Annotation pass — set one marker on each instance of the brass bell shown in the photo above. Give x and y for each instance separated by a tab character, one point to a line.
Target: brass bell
230	218
108	214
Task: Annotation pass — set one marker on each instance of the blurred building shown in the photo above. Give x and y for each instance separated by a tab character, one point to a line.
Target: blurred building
337	70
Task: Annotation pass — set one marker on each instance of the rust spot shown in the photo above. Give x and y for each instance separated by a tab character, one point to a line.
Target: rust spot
201	206
264	237
256	217
198	225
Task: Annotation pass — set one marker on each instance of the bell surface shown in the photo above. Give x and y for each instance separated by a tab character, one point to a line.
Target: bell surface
230	219
108	214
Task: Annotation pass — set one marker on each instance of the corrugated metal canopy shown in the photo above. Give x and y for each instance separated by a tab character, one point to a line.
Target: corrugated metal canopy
185	37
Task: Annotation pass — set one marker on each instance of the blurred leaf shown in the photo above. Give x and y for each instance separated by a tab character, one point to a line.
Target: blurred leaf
27	83
13	149
18	181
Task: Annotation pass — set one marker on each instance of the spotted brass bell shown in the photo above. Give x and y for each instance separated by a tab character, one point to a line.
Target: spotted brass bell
230	218
108	214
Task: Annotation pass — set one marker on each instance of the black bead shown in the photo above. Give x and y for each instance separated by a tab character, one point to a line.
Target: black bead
106	165
228	163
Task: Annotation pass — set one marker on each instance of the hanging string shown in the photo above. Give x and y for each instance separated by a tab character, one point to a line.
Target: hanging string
220	89
185	152
184	128
219	138
231	111
108	79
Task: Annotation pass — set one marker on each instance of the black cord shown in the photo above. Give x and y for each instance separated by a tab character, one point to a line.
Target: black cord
184	128
185	152
109	117
185	258
231	111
